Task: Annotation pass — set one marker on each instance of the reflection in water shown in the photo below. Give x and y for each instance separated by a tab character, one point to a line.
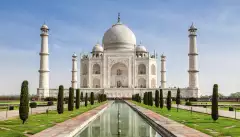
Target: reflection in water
131	124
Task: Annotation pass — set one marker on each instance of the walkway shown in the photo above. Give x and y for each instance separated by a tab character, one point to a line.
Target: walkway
223	113
174	127
72	126
4	115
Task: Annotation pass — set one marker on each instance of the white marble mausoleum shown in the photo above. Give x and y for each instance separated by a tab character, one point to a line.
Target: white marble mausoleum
119	67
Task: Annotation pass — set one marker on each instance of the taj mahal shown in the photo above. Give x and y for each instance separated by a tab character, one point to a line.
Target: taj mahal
119	67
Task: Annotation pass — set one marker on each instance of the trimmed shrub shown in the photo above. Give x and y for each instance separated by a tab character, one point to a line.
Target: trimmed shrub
157	98
92	98
215	102
50	99
169	103
161	99
231	109
71	99
60	105
192	99
24	102
178	101
77	98
81	97
188	103
86	100
33	104
50	103
11	108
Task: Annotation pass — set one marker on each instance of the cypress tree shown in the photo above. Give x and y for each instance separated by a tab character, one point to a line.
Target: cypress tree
178	98
77	98
157	98
150	99
92	98
81	97
86	100
147	98
144	98
215	102
169	100
161	98
60	105
24	102
71	99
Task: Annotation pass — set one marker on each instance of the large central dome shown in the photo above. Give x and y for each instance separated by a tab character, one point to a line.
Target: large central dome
119	36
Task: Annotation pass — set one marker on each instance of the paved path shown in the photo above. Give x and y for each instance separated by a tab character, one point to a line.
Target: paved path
174	127
15	113
72	126
223	113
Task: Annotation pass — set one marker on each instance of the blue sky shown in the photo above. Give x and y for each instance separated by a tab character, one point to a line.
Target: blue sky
160	24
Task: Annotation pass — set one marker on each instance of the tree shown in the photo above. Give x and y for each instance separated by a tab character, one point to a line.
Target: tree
178	98
161	98
150	99
235	95
157	98
81	97
92	98
169	103
215	102
60	105
77	98
71	99
86	100
24	102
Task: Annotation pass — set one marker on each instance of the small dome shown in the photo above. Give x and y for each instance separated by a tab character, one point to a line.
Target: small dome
141	48
74	55
97	48
44	26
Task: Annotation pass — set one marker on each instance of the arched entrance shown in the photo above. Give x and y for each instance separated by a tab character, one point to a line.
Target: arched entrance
119	76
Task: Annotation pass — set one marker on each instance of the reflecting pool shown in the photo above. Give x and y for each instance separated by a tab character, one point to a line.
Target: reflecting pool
119	120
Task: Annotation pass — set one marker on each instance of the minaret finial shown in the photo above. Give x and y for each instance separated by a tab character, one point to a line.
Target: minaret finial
118	17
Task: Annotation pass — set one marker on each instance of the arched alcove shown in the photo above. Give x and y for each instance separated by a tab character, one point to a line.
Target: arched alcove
119	75
96	69
141	69
141	83
96	83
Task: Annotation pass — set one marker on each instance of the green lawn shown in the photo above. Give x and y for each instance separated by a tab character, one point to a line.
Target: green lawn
200	121
39	122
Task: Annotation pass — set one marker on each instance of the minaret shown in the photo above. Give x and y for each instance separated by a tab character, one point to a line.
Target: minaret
163	71
193	62
74	71
43	90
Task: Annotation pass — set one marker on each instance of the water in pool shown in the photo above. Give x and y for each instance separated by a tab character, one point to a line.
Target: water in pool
130	124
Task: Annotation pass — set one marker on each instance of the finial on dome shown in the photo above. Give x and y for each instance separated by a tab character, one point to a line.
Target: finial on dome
118	17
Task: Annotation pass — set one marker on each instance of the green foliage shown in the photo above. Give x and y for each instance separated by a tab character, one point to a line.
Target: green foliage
81	97
50	99
161	98
231	109
178	97
188	103
92	98
33	104
24	102
150	99
215	102
71	99
86	99
77	98
50	103
235	95
169	102
157	98
11	108
145	98
60	105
